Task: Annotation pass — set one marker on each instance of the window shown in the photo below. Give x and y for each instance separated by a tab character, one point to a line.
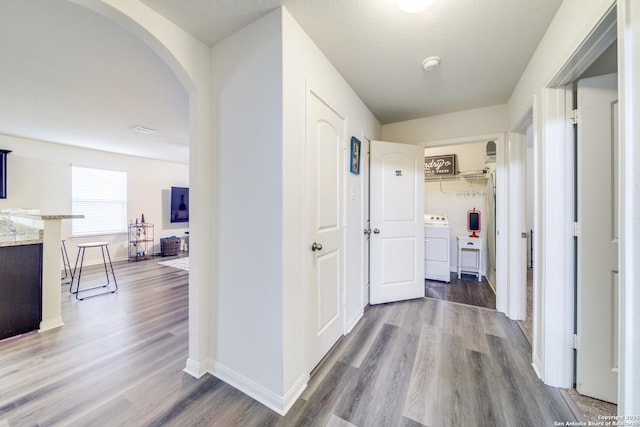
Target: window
101	196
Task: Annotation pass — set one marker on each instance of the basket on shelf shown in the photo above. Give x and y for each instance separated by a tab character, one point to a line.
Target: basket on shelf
169	246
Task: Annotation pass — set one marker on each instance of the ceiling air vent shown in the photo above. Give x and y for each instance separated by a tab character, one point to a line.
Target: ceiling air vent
143	129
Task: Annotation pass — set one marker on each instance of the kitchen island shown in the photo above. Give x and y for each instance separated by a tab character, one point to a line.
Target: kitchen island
20	289
26	232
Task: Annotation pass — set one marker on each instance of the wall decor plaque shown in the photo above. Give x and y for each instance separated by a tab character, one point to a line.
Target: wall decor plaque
440	166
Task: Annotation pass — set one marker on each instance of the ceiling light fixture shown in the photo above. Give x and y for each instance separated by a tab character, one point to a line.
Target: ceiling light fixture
144	130
414	6
431	63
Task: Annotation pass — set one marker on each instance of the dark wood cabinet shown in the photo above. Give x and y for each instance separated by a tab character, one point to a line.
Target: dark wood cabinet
20	289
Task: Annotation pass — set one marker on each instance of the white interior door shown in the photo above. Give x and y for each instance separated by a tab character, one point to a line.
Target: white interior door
326	135
597	242
397	222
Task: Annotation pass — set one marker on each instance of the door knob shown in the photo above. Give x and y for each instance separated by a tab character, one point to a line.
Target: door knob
316	246
367	231
376	231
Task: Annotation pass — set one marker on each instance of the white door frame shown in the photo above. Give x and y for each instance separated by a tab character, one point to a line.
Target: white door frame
628	78
555	365
553	146
517	255
502	286
532	118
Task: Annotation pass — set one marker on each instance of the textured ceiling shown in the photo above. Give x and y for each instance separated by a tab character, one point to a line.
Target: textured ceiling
484	45
63	78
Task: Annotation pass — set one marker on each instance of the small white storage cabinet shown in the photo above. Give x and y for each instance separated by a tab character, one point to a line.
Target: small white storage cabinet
474	245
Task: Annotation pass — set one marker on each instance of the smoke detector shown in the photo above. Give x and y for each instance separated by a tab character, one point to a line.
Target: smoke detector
431	63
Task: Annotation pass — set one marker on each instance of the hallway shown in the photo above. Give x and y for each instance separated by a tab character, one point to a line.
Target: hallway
118	361
435	363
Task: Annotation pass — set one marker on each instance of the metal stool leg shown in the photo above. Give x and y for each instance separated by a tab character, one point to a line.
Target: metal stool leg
104	263
73	274
65	261
107	269
113	274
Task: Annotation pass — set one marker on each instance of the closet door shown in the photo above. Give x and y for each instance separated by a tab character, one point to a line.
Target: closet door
597	241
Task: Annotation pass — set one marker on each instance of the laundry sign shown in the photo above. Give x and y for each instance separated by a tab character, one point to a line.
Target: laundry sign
435	166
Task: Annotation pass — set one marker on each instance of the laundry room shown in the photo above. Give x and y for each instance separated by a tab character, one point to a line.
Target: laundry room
459	180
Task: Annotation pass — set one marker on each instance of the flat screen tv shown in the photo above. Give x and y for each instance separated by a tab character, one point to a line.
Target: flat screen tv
179	204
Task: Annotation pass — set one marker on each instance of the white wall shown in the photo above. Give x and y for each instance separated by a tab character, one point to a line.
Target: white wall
39	177
247	84
455	197
478	121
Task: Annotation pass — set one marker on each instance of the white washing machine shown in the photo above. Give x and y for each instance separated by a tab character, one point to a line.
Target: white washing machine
437	258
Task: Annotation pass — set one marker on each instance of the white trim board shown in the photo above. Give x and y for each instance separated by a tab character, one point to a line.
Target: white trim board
273	401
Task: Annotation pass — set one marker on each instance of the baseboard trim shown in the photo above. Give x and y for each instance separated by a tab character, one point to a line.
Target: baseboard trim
195	368
47	325
491	284
352	324
535	364
273	401
294	393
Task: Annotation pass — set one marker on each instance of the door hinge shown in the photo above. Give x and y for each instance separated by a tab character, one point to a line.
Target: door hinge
576	229
574	116
574	341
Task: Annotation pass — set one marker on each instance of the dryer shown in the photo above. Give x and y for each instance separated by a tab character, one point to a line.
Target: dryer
437	258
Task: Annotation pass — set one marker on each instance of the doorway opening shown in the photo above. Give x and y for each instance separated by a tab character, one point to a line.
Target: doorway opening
453	272
485	183
522	183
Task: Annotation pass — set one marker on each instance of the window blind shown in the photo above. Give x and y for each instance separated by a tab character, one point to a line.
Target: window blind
101	196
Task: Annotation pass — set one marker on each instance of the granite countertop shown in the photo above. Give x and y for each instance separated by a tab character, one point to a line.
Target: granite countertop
20	239
44	217
30	224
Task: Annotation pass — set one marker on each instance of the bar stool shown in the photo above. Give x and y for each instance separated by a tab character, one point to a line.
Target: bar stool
65	261
104	246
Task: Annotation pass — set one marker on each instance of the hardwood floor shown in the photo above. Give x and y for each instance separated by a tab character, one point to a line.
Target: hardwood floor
118	362
466	290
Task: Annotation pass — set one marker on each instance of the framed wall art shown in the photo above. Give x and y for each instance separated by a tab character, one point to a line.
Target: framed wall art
355	156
